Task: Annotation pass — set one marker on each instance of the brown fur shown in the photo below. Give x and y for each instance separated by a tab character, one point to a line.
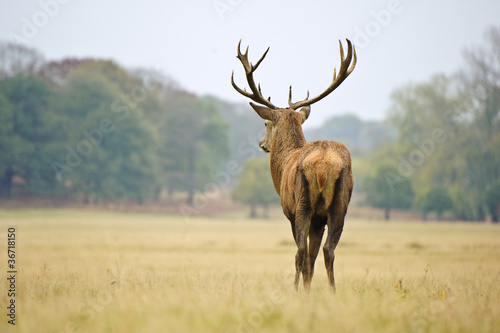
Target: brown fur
314	181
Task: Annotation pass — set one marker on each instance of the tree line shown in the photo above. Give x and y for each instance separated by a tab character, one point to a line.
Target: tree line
90	129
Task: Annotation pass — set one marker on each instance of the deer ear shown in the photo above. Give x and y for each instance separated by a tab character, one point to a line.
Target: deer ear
304	113
263	111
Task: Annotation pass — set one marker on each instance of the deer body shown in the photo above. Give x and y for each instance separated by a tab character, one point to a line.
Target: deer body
310	178
314	180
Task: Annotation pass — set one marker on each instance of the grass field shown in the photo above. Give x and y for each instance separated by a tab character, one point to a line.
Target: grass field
112	272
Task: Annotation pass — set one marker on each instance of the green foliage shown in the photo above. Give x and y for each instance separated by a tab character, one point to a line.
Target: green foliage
102	132
255	186
346	128
109	148
462	206
388	190
449	131
25	135
10	145
437	199
245	129
492	198
358	135
194	142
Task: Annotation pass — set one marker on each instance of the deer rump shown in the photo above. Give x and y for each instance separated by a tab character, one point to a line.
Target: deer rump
310	184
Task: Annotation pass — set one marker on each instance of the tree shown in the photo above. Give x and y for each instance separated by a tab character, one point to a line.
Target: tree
10	145
17	58
27	132
437	199
493	200
480	86
345	128
462	206
245	130
388	190
360	136
55	72
255	187
441	140
107	146
449	131
427	120
193	142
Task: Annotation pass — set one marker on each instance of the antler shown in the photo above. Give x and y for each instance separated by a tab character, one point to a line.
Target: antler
256	94
344	72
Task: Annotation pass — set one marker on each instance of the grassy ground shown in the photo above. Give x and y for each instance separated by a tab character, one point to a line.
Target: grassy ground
105	272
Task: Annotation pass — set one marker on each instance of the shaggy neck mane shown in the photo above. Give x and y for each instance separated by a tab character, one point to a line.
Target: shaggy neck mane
286	140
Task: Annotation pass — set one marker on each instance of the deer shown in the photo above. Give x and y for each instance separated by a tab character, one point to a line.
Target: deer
313	179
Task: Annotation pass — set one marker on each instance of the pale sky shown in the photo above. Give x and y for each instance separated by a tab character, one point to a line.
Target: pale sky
195	42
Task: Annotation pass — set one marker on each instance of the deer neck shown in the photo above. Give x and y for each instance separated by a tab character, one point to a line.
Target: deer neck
285	143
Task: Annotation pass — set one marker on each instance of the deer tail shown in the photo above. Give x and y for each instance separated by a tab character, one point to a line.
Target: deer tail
322	170
327	171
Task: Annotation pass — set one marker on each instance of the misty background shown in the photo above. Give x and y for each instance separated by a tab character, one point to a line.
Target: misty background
119	100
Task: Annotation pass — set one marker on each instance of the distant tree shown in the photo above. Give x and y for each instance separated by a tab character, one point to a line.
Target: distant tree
245	130
345	128
193	142
388	190
375	134
255	187
448	132
493	200
441	138
462	206
358	135
55	72
480	87
10	144
437	199
17	58
27	133
106	148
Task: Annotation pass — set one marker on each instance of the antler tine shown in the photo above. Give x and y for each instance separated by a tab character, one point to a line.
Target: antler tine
354	60
260	60
346	68
256	93
238	89
342	50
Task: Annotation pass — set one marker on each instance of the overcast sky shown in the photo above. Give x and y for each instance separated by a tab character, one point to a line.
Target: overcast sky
195	42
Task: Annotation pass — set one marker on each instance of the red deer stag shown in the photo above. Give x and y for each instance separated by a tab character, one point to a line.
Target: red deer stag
314	180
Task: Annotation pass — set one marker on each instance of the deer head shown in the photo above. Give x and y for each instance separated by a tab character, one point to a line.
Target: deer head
281	121
276	121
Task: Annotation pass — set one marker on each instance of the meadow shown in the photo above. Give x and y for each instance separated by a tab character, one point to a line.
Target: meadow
84	271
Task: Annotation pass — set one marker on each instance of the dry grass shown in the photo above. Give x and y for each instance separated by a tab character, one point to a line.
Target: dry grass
103	272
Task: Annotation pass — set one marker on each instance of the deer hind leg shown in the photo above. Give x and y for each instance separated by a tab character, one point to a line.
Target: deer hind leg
315	236
335	223
299	259
302	261
335	226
